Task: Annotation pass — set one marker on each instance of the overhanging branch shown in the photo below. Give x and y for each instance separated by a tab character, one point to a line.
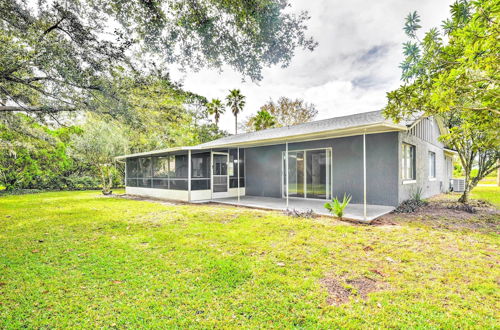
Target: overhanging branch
43	109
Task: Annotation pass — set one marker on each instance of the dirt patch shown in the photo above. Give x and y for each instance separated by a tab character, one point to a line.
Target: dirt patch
445	212
339	293
365	285
145	199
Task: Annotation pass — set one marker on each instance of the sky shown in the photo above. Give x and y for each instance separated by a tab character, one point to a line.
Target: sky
354	65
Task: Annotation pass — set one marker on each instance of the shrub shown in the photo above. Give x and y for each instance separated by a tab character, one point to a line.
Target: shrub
336	207
299	214
413	204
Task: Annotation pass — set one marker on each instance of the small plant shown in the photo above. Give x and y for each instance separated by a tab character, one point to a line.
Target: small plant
336	207
416	195
413	203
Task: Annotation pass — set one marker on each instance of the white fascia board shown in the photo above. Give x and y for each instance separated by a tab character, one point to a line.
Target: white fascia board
351	131
155	152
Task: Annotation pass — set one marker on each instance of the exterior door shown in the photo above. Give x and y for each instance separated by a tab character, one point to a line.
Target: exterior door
220	175
309	174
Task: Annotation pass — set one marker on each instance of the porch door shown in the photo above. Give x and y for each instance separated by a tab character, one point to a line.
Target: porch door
309	174
220	177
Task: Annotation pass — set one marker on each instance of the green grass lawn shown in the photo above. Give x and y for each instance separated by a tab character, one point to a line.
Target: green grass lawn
76	259
487	193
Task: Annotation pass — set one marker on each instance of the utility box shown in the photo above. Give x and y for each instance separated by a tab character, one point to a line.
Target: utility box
458	185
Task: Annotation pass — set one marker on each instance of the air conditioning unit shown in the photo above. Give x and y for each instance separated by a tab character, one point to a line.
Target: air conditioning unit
458	185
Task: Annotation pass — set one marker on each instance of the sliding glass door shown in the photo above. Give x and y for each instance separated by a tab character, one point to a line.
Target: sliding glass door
309	174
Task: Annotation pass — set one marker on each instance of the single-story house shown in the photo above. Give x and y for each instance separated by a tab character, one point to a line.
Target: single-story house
378	162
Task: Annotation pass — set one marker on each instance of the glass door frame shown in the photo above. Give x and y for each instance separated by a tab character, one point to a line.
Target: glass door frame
329	174
219	194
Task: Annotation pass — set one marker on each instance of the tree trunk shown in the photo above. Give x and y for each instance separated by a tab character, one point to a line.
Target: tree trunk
235	124
465	195
104	177
498	173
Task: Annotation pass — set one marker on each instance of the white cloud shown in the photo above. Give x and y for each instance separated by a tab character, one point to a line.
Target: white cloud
351	70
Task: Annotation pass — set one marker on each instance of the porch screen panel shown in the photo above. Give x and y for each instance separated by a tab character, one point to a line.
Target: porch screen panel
200	171
144	175
179	172
161	170
238	171
132	170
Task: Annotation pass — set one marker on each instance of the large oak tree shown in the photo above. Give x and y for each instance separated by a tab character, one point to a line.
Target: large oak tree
64	55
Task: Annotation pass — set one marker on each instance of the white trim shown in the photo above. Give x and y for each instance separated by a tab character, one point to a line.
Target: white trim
211	175
409	181
200	195
432	179
364	176
322	135
180	195
238	176
287	178
189	175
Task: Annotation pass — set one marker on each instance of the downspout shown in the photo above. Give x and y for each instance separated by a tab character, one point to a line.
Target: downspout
211	174
238	164
364	175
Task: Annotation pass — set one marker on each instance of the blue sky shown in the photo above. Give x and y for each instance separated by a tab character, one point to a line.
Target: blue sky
350	71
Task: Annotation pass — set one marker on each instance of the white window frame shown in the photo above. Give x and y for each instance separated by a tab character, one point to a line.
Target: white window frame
432	165
329	174
405	163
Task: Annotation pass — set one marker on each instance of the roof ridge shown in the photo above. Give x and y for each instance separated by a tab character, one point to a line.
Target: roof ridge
291	126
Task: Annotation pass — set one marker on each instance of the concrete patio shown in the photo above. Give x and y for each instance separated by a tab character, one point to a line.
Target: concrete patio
352	211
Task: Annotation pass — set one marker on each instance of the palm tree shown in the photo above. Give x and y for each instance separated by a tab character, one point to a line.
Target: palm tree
235	101
263	120
215	108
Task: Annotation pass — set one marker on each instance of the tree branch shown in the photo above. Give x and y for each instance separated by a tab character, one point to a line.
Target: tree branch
46	109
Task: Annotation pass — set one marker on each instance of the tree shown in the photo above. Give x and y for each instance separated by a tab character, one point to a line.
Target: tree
263	120
216	109
454	74
290	112
61	57
31	156
286	112
100	142
235	101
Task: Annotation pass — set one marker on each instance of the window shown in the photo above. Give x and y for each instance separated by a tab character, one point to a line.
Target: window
432	165
408	172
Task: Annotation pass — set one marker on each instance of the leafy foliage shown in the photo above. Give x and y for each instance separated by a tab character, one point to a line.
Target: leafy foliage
99	143
215	108
236	102
454	74
32	156
263	120
63	57
286	112
336	207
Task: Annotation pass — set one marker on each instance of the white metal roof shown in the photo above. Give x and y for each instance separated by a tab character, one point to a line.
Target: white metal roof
368	122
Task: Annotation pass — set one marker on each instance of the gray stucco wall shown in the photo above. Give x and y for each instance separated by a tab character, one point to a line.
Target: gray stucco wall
264	168
430	187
